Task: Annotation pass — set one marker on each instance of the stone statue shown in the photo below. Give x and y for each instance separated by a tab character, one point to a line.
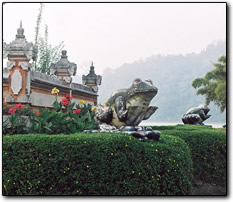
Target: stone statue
128	107
196	115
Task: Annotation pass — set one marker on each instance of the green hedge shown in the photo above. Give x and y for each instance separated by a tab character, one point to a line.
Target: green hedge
95	164
208	150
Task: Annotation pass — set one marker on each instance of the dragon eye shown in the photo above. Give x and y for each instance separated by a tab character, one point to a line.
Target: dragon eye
149	81
137	80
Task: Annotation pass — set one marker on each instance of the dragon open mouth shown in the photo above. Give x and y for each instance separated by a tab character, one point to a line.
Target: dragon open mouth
206	112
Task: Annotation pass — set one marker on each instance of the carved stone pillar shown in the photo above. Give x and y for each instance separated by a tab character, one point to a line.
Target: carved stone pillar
19	52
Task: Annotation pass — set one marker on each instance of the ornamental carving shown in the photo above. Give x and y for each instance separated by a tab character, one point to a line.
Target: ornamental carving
20	46
16	82
25	65
63	66
10	65
92	79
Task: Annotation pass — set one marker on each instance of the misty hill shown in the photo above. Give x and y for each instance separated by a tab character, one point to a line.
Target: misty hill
173	76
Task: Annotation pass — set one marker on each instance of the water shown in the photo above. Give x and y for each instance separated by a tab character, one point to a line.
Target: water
151	123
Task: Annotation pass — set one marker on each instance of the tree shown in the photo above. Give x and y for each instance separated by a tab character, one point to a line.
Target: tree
47	54
213	85
38	22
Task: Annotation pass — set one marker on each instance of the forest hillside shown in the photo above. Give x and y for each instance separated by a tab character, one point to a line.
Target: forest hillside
173	76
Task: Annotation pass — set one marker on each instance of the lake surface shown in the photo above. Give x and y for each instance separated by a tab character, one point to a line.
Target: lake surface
151	123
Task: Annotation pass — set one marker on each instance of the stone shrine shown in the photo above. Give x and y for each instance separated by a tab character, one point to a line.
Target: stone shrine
92	80
23	85
64	69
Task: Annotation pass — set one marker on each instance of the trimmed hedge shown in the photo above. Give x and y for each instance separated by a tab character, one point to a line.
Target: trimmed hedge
208	150
95	164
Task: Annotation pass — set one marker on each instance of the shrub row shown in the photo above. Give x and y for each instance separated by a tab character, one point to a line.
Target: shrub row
95	164
208	150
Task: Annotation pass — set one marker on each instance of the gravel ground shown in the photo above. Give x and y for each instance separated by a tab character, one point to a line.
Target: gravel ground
209	189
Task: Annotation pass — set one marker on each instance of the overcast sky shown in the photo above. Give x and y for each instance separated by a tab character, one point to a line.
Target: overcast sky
117	33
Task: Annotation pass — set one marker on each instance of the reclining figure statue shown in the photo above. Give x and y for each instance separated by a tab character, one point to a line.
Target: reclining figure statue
196	115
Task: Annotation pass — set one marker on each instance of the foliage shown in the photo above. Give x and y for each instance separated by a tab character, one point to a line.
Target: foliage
213	85
63	119
15	123
47	54
208	150
172	75
38	22
42	123
86	117
95	164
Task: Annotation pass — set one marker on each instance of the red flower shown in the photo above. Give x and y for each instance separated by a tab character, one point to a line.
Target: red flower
11	110
77	111
37	113
68	97
65	102
19	106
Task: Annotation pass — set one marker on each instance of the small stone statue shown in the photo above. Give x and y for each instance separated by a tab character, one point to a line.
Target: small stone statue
128	107
196	115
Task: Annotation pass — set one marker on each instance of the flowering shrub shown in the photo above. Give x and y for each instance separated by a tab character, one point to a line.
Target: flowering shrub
82	101
94	108
55	91
77	111
19	106
65	102
14	123
67	117
11	110
68	97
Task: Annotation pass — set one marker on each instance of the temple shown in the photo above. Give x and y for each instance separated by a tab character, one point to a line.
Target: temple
23	85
